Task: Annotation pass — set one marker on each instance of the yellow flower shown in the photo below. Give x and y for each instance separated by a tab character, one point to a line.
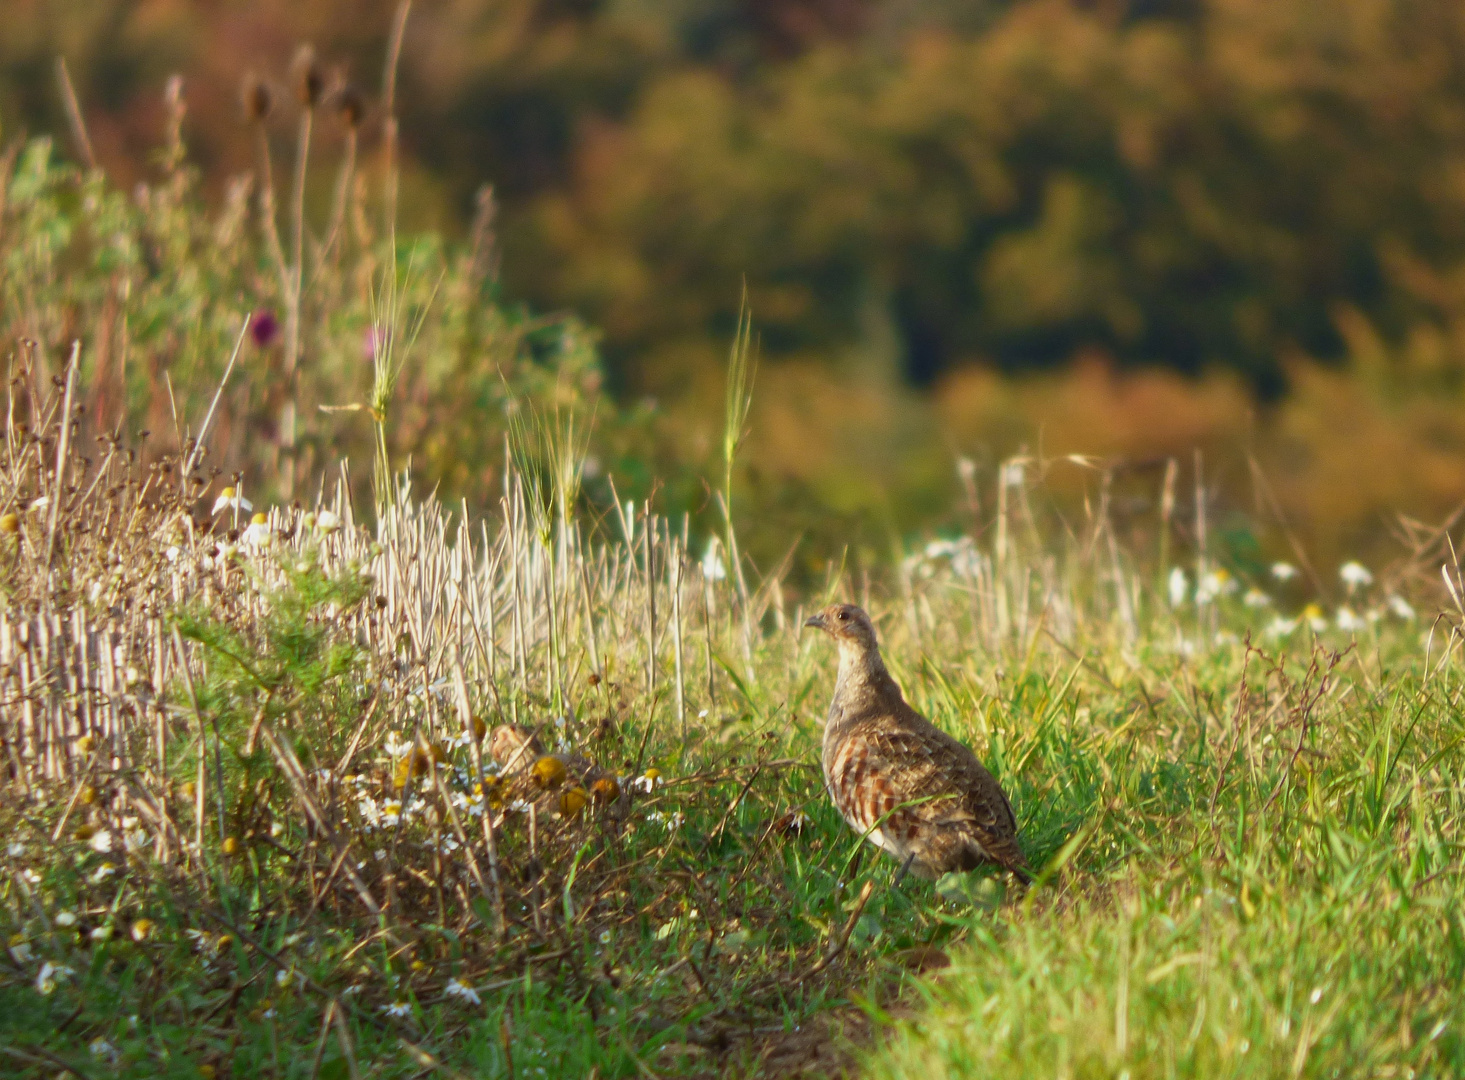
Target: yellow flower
231	846
87	796
549	771
142	929
572	801
419	965
85	743
10	524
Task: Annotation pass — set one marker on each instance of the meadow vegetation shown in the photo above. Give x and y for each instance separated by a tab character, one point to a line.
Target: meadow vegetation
295	510
1239	219
252	828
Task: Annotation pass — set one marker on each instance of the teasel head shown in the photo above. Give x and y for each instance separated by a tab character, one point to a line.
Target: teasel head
257	98
309	79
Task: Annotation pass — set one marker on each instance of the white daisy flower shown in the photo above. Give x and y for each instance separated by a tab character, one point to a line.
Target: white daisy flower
1179	586
65	918
941	549
1281	627
229	499
1401	607
328	521
712	566
397	1009
49	975
456	989
1214	583
1255	598
1348	621
101	841
1355	575
1283	571
258	534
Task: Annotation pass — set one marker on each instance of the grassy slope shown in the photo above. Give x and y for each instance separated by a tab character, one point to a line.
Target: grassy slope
1226	903
1237	911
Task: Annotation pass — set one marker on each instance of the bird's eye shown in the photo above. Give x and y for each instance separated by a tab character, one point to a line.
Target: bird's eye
843	615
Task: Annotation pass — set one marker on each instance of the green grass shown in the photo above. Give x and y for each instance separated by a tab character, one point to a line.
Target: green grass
1250	855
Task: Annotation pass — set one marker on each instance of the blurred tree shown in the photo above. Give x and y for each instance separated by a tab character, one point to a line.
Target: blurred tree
907	185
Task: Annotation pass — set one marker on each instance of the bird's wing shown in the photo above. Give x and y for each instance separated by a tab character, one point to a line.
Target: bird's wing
912	776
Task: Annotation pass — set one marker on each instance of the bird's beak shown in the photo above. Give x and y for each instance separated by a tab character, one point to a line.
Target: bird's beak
816	621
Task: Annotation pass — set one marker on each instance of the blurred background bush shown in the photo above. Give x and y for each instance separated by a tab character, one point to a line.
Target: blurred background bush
1124	228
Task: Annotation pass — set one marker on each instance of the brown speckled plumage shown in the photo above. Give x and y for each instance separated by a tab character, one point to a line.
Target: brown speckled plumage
918	793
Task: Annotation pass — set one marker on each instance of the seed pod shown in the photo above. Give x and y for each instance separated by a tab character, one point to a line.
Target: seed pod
606	789
350	106
10	524
549	771
257	98
572	802
415	764
309	79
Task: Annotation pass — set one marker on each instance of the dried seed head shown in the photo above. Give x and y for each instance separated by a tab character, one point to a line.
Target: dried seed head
572	802
257	98
606	789
549	771
350	105
416	764
309	79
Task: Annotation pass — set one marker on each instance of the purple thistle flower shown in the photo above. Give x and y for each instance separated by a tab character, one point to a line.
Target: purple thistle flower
264	327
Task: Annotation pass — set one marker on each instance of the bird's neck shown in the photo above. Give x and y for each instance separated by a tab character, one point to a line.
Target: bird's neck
862	680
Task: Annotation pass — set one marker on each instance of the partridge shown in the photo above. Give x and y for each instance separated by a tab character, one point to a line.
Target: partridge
915	791
514	748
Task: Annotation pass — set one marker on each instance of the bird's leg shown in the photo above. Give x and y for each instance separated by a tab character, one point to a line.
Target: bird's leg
905	866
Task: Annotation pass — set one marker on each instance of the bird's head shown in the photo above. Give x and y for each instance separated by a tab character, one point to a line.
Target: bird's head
847	624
